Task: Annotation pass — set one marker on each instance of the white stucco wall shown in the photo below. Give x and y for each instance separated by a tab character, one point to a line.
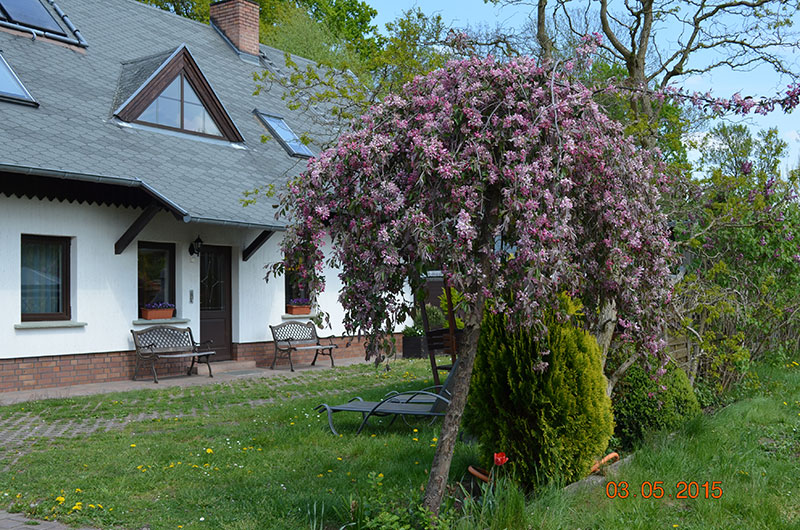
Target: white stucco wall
104	285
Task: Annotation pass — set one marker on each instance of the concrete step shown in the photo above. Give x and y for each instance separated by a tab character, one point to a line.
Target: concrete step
223	367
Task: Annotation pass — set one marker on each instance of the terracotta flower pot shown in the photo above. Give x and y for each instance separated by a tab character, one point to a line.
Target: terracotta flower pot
298	309
156	314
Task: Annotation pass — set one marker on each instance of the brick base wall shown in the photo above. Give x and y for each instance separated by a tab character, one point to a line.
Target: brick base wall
263	352
31	373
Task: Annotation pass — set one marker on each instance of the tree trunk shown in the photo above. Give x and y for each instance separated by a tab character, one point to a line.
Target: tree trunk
618	373
606	324
440	468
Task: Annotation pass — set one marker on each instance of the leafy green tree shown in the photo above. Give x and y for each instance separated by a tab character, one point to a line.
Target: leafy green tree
343	24
739	230
342	86
194	9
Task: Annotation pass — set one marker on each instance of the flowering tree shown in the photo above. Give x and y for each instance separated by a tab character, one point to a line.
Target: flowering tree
511	180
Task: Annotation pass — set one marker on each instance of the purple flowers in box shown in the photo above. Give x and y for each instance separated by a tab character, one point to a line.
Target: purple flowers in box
300	301
159	305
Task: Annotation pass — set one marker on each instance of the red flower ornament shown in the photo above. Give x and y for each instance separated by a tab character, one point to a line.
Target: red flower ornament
500	459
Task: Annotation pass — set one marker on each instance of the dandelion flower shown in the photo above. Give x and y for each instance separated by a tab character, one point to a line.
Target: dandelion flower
133	445
210	451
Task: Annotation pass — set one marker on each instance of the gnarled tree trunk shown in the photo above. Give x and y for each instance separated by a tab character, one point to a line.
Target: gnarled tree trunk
440	468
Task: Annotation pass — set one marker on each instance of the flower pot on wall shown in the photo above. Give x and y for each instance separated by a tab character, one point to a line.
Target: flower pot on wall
155	314
298	309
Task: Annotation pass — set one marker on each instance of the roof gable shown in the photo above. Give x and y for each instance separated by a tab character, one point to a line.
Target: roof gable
147	78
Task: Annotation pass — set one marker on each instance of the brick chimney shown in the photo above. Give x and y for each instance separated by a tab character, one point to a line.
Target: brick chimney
238	20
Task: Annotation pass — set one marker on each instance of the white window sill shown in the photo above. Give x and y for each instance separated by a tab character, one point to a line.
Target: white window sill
144	322
287	316
50	324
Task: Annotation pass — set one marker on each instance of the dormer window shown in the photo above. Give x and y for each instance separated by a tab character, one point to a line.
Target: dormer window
169	91
285	135
178	107
11	88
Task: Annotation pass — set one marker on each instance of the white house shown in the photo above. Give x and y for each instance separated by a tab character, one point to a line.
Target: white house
128	135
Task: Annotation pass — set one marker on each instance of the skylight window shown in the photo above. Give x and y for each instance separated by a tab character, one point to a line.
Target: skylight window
11	88
285	135
178	107
29	13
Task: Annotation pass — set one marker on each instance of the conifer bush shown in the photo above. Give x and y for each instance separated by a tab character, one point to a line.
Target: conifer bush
642	404
552	422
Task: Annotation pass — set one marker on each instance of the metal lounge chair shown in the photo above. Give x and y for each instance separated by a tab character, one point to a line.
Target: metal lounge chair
423	402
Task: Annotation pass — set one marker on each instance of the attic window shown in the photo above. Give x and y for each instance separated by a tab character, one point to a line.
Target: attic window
29	13
285	135
178	107
11	88
169	91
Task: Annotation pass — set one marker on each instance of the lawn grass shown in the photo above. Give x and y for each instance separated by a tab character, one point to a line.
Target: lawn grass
751	447
254	455
245	455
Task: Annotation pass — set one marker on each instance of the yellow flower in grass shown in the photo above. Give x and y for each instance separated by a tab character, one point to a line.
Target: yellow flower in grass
415	439
60	499
210	451
416	430
339	458
78	490
133	445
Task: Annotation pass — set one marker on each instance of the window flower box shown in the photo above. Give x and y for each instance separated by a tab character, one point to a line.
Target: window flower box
298	306
157	311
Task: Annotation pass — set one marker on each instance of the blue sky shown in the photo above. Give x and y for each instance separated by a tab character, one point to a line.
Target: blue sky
722	83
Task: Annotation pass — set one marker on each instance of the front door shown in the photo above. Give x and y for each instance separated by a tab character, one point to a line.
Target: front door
215	299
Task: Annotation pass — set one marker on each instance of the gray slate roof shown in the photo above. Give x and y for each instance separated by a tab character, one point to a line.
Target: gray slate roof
73	130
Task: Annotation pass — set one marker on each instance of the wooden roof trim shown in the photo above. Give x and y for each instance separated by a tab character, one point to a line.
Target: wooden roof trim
182	62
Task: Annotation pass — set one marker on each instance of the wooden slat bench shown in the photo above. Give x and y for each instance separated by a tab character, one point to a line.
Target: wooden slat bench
294	336
169	342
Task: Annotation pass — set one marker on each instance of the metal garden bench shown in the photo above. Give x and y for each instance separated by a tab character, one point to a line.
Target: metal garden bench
169	342
294	336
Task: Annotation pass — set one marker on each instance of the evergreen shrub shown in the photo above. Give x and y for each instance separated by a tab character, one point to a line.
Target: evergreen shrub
552	424
636	413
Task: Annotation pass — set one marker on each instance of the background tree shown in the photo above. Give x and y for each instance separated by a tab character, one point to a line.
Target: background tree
508	178
329	27
738	231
